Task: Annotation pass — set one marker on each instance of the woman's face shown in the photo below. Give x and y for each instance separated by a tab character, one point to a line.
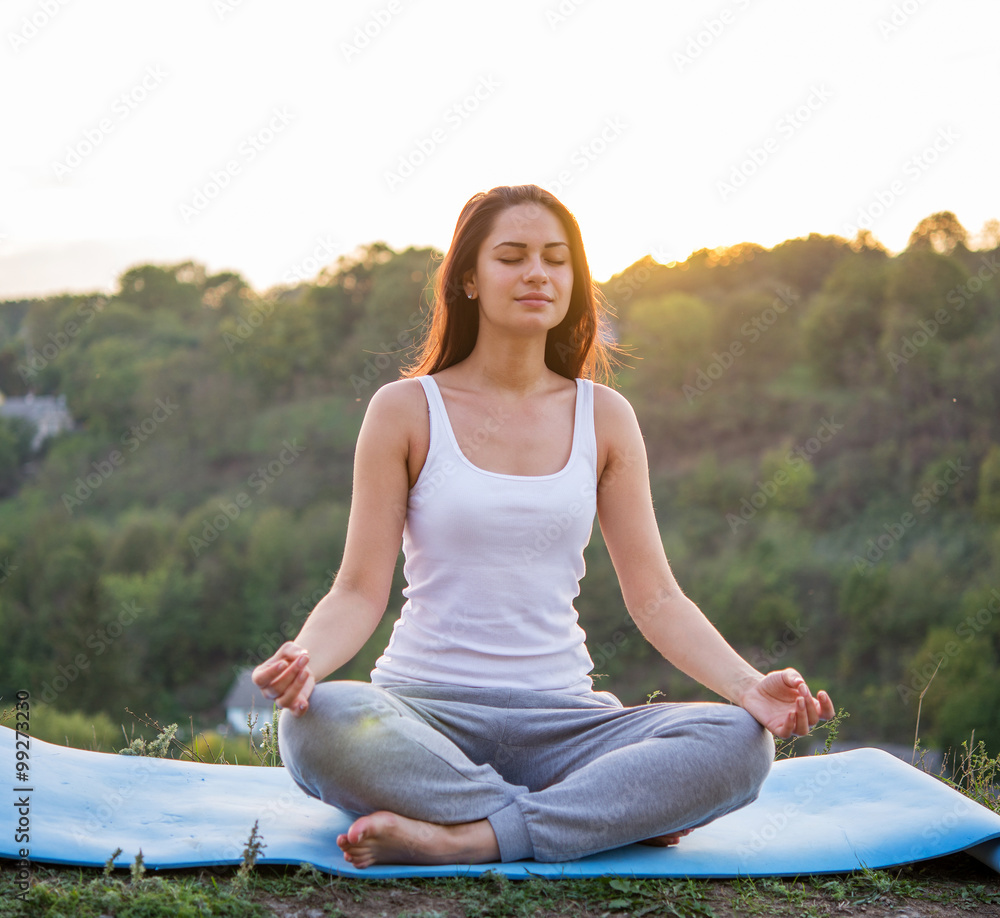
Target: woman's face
524	271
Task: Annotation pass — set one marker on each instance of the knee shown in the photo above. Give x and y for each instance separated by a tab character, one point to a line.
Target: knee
750	750
338	713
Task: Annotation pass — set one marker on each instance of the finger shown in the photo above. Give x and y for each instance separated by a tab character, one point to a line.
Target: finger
294	666
810	706
826	709
792	677
801	717
270	669
297	705
295	673
289	687
281	682
263	674
298	702
787	728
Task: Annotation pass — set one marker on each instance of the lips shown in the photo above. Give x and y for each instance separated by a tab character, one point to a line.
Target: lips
535	298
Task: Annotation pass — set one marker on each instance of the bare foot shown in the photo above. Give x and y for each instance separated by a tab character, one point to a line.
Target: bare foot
665	841
387	838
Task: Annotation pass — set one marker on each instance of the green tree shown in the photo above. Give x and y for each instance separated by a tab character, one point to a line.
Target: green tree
988	492
16	435
941	232
666	337
791	476
844	321
924	286
175	288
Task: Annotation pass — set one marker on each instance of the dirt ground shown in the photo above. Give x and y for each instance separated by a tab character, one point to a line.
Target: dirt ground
944	888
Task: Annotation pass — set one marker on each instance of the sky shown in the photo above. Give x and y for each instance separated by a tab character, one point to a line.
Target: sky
270	138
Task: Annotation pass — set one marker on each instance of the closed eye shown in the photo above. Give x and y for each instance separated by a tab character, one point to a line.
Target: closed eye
514	261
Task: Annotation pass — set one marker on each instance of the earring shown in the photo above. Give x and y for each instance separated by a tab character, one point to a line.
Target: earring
471	296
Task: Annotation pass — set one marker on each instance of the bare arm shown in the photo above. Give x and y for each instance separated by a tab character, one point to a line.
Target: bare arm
670	621
346	617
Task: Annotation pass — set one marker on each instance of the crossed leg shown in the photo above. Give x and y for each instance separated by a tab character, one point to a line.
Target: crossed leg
520	782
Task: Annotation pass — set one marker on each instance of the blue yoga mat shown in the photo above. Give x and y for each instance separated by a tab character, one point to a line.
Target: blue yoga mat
818	814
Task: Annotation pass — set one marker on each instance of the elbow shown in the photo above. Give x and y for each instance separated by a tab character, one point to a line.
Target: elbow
361	593
654	606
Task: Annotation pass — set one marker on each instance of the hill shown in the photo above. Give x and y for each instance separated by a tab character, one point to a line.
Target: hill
822	419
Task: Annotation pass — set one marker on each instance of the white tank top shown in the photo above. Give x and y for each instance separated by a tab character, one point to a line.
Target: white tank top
493	564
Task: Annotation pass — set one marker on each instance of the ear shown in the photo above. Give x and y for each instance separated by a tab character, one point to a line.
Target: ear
469	284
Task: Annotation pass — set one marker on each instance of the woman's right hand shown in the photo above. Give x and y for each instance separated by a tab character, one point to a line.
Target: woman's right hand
285	678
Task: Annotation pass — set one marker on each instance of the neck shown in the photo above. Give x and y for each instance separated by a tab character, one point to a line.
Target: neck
513	365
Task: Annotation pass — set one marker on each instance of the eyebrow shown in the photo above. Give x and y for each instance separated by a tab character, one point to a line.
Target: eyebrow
523	245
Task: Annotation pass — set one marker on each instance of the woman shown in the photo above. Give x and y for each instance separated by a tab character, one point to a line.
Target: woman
480	737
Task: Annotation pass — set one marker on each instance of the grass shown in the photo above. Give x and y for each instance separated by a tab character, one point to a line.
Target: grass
953	886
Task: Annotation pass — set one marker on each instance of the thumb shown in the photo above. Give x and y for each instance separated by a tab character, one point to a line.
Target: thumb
792	677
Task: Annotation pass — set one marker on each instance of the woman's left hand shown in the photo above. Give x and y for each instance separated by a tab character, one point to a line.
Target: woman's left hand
782	702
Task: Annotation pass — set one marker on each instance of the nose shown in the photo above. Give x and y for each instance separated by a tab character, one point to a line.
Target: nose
534	270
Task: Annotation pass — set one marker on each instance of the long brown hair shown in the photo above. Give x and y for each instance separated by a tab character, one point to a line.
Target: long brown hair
578	346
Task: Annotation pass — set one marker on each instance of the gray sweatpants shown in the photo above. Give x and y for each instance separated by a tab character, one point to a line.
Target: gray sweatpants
558	776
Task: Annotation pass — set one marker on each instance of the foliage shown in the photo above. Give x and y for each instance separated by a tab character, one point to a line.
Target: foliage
156	748
822	442
95	732
976	774
957	884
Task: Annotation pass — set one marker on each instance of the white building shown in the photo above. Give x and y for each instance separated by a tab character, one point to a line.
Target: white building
47	412
245	700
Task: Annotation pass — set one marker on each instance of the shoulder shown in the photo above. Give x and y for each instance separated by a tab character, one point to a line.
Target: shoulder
616	429
611	409
396	422
398	400
397	411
